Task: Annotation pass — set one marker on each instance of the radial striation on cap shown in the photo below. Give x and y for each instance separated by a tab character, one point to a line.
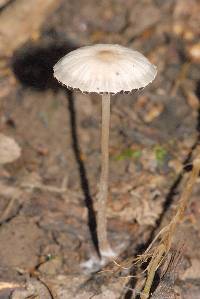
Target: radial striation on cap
104	68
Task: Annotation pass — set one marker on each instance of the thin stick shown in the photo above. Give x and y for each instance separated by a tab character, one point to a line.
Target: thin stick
104	246
154	263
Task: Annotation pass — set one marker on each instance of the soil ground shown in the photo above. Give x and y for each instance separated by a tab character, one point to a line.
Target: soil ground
47	204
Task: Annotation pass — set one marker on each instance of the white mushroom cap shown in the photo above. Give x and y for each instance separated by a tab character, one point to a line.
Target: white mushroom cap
9	149
104	68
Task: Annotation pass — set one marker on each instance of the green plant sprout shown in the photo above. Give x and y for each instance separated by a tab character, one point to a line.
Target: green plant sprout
160	154
128	154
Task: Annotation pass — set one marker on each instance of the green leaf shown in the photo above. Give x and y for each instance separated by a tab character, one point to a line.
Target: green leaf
160	154
129	153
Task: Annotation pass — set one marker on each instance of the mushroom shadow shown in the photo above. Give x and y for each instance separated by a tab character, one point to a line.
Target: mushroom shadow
33	64
33	67
83	175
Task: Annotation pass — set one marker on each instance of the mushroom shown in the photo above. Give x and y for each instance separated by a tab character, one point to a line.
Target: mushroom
105	69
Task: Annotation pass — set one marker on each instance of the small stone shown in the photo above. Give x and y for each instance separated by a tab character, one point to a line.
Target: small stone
154	111
194	52
178	28
9	149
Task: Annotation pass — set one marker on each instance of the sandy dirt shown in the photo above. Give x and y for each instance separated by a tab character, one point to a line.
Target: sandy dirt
47	205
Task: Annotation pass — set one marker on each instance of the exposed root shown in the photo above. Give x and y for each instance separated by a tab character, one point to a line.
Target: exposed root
151	269
157	253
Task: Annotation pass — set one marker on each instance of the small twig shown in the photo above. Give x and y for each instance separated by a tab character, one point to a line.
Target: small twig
120	266
152	267
47	287
50	188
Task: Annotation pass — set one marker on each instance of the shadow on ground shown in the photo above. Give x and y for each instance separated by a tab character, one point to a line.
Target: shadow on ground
33	67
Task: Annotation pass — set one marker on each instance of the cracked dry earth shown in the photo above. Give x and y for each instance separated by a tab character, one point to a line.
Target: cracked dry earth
45	239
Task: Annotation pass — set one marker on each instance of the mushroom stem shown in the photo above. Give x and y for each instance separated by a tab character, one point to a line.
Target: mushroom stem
104	247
